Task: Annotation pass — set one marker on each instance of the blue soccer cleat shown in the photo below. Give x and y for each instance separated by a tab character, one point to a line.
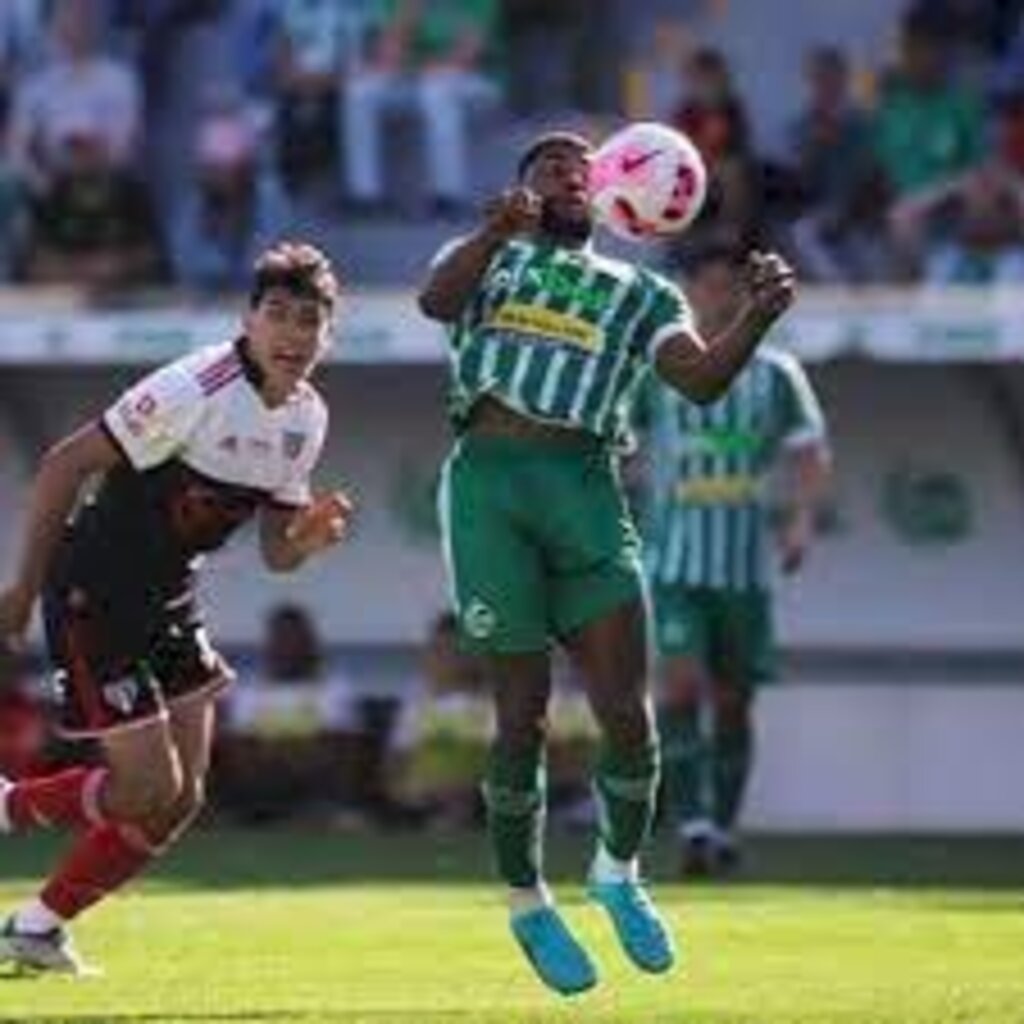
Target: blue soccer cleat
559	960
638	924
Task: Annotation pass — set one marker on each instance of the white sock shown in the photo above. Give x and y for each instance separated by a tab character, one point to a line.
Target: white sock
523	899
35	917
607	868
5	794
697	828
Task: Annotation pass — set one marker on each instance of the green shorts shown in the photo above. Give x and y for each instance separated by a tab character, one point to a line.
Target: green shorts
730	632
537	540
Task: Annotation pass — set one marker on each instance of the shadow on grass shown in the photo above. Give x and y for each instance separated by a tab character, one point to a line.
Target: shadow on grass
225	859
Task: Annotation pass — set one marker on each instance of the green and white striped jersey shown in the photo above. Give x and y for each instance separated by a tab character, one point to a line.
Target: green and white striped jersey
710	465
562	335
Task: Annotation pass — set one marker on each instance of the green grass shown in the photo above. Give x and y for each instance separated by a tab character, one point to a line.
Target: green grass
321	927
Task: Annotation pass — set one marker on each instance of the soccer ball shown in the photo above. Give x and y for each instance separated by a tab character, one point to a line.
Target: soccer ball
647	181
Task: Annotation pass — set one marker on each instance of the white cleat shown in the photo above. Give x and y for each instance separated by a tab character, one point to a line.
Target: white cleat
50	952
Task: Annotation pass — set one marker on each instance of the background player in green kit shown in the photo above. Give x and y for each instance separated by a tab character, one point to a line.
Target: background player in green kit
710	562
549	342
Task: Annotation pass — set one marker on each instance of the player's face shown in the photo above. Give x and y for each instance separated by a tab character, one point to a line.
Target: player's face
287	334
559	176
714	292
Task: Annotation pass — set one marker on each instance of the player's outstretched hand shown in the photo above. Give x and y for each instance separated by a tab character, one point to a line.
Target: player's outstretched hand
771	284
515	211
15	615
794	543
321	524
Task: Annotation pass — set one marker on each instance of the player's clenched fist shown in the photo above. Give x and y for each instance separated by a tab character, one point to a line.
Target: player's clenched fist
321	523
771	284
515	211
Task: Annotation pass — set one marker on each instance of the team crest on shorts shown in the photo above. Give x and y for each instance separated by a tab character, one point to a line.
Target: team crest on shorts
479	620
122	695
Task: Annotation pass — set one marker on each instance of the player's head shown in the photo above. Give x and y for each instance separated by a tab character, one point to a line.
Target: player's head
712	284
292	644
556	166
292	303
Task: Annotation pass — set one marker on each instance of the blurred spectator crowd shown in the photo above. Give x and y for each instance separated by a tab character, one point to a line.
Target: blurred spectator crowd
167	140
911	171
164	142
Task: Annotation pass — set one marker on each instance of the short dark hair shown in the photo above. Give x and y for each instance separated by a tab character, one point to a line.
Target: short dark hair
546	141
297	267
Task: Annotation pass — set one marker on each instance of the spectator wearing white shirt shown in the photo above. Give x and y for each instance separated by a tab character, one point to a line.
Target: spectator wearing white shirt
281	750
79	91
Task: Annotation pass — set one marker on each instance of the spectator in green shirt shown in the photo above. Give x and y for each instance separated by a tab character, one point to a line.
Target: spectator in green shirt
926	128
431	57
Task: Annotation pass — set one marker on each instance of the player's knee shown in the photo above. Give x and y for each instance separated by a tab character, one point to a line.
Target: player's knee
191	800
522	732
185	809
144	797
628	724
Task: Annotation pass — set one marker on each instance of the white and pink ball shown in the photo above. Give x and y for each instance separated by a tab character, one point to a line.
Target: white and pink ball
647	181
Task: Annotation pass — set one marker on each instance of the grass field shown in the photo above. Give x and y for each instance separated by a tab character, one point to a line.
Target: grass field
283	926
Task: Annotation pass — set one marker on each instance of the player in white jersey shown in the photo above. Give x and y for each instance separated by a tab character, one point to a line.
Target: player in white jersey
187	455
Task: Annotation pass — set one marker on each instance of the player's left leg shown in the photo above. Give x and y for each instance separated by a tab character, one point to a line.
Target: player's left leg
744	657
611	652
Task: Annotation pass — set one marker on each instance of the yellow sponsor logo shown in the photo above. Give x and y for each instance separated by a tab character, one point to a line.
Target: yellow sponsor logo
718	490
547	324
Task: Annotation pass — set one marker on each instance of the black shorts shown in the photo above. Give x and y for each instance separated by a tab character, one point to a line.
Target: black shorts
117	664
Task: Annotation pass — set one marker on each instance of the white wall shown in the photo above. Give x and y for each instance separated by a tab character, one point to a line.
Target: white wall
865	756
865	587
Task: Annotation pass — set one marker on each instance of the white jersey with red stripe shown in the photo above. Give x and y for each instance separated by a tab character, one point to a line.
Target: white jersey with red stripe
202	453
205	411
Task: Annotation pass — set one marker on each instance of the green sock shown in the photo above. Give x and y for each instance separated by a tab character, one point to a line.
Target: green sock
625	786
685	766
514	792
734	751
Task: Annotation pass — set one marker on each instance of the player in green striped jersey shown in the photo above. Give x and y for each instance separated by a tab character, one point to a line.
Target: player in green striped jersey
709	560
549	343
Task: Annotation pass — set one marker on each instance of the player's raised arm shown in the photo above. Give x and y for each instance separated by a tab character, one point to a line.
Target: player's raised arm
62	472
702	369
453	277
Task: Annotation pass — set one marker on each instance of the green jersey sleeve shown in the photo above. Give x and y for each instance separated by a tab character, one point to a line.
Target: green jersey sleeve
668	314
801	418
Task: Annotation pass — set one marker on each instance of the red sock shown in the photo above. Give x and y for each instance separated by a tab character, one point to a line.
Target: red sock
102	860
70	798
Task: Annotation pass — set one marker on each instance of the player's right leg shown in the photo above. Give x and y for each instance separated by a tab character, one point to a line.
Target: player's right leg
141	781
499	591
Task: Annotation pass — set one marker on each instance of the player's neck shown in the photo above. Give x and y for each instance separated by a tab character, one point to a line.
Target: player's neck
562	231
